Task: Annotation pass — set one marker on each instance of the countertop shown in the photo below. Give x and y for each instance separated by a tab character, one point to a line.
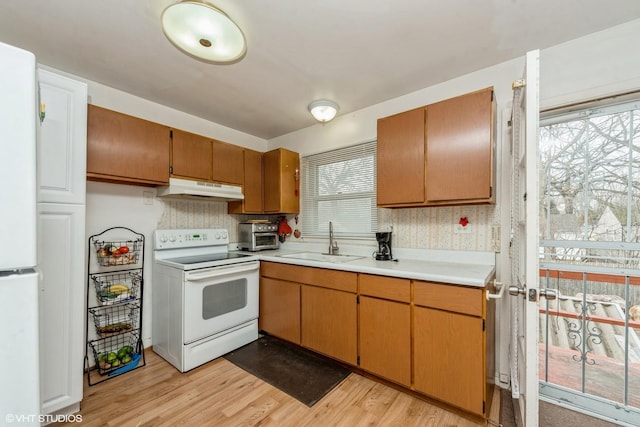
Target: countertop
454	267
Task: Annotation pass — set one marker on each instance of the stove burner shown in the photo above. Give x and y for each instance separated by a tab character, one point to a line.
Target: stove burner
197	259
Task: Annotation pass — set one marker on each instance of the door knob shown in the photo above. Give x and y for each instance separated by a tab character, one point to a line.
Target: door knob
549	294
515	291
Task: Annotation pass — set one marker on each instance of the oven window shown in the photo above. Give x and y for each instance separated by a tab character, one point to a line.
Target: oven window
223	298
265	239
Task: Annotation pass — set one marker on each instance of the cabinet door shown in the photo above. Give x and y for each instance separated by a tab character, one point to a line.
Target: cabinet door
385	339
281	180
329	322
191	156
61	257
460	148
251	186
400	163
280	309
126	149
227	163
449	357
62	146
253	181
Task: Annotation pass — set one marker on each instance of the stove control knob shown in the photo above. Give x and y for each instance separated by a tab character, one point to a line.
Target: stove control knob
172	238
225	235
163	238
217	236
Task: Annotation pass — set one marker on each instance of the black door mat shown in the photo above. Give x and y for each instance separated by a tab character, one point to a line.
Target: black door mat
302	374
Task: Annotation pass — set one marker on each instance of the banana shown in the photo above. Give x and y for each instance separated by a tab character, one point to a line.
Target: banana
118	289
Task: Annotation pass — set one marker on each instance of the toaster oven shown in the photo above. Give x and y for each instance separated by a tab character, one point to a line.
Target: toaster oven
257	236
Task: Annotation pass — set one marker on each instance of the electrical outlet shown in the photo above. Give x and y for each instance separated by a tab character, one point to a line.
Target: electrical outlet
505	378
495	237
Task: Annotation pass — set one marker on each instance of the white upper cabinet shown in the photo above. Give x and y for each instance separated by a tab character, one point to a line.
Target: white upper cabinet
62	146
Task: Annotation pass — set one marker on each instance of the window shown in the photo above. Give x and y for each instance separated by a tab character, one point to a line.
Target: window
340	186
590	182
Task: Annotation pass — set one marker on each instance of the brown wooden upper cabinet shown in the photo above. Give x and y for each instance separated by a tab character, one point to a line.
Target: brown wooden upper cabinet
281	168
191	156
201	158
126	149
440	154
252	185
400	163
228	163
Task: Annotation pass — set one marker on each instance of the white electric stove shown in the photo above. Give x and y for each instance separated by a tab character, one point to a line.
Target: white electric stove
205	298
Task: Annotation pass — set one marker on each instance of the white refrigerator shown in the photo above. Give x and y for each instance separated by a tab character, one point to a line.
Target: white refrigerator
19	349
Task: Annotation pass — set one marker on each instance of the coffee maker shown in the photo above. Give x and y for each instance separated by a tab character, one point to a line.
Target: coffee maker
384	246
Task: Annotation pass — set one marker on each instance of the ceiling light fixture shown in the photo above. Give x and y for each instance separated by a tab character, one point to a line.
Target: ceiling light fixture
204	32
323	110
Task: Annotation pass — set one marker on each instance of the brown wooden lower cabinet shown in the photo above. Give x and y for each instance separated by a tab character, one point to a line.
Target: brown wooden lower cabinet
280	309
385	339
329	322
449	357
434	338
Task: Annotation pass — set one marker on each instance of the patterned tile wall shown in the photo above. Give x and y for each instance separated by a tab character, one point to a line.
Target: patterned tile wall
195	214
434	228
415	228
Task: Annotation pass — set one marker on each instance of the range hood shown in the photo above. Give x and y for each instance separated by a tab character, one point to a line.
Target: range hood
200	190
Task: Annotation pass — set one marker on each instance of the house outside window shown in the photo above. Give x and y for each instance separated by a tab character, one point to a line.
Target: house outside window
340	186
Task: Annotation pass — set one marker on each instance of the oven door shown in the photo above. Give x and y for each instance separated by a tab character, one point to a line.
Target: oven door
219	298
262	241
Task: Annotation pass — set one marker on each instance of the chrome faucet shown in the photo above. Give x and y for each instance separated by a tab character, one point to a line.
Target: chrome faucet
333	245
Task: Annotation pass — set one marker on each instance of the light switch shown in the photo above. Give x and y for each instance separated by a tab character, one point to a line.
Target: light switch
147	197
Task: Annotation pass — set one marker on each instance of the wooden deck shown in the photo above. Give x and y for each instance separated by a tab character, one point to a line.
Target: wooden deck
604	378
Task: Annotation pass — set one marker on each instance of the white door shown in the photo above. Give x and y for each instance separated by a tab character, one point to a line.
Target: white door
62	147
524	249
61	257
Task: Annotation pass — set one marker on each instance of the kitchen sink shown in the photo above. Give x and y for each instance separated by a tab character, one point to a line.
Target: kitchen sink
316	256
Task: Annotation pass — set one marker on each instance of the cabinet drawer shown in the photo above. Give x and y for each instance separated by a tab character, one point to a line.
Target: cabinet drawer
390	288
448	297
326	278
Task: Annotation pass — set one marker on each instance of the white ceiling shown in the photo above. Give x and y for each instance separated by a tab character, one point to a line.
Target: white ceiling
355	52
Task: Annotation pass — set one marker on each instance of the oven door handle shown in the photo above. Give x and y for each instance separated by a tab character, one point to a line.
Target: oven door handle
224	270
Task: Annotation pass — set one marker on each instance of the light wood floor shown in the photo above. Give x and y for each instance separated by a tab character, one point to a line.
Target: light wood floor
221	394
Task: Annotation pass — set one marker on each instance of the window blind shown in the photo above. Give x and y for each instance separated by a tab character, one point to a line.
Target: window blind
340	186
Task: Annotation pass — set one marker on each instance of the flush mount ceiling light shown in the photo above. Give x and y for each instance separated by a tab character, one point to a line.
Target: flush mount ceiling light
323	110
203	31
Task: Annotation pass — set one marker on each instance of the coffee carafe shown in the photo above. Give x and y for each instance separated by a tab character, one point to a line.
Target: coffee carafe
384	246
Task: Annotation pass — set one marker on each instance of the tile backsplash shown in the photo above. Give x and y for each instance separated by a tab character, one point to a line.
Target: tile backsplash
185	213
435	227
414	228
